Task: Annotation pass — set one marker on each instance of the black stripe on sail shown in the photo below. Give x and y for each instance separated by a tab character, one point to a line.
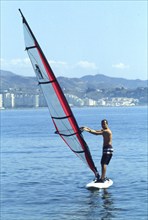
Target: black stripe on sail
64	117
32	47
66	135
78	152
47	82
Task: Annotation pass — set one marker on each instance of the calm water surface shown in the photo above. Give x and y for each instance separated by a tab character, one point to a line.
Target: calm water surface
41	179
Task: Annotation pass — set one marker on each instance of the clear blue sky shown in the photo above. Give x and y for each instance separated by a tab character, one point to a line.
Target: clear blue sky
78	37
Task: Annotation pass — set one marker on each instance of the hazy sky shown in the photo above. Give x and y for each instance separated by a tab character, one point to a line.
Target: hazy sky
78	37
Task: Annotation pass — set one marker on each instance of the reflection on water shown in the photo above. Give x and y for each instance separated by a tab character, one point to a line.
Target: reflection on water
101	204
108	205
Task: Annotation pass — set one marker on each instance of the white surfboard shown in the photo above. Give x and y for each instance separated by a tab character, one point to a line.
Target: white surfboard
93	185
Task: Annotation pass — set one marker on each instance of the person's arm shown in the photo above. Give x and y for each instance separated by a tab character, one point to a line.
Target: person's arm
92	131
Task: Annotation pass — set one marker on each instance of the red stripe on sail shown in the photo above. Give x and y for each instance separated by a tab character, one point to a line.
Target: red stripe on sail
66	109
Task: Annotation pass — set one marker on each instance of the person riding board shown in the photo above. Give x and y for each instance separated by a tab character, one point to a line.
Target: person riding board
107	147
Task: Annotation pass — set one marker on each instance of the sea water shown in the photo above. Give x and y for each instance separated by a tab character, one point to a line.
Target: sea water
41	178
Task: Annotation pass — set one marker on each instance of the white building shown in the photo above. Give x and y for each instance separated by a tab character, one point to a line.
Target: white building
1	101
8	100
90	102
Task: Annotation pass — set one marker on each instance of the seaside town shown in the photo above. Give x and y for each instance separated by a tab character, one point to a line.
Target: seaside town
91	91
13	99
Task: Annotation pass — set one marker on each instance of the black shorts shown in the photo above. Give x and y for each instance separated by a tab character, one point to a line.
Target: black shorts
107	154
106	158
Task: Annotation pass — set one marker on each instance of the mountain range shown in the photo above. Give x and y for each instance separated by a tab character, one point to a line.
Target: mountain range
12	80
85	83
91	86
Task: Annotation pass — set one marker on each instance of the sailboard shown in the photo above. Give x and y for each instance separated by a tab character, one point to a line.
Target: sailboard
62	116
96	185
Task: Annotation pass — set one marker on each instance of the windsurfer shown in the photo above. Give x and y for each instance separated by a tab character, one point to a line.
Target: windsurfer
107	147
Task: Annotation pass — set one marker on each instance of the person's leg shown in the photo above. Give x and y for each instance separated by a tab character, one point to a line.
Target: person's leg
103	171
104	162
